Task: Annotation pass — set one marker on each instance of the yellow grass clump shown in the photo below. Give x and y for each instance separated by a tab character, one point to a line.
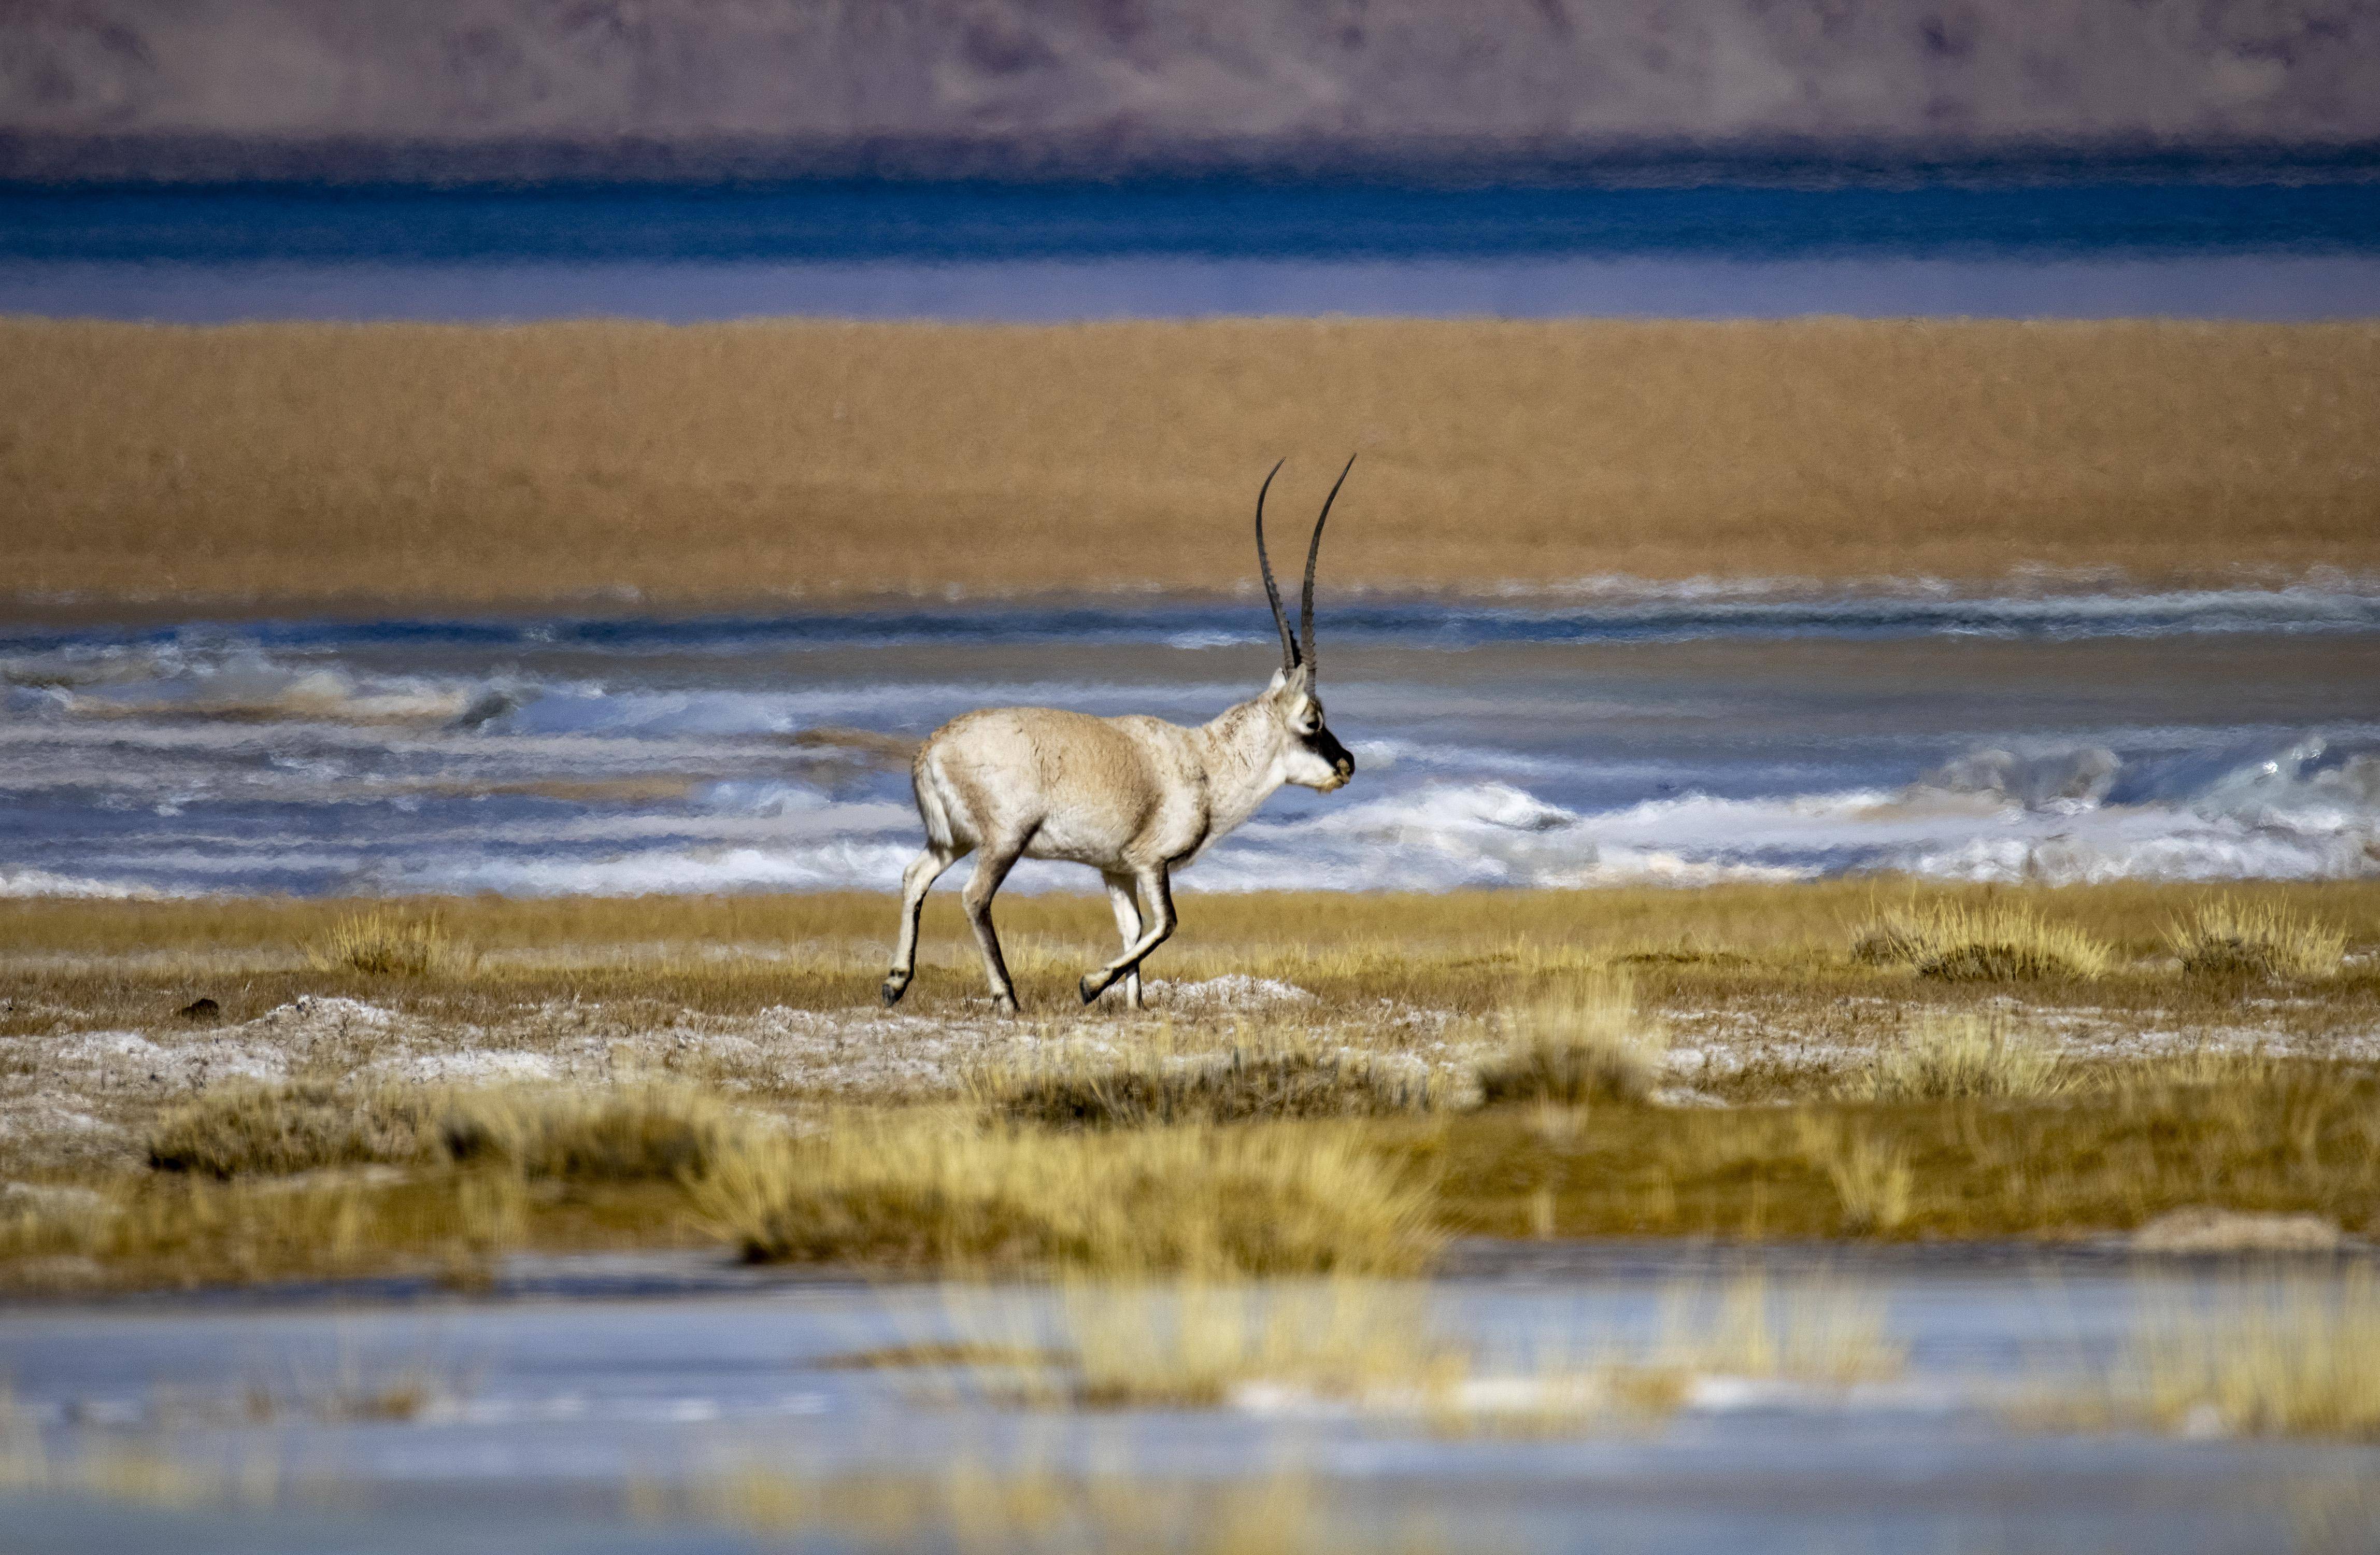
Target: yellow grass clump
2285	1357
1797	1331
654	1130
1991	942
184	1231
1583	1042
2261	1135
946	1192
1270	1075
650	1130
1947	1057
997	1506
286	465
2229	938
1379	1345
386	943
229	1130
1869	1173
1199	1344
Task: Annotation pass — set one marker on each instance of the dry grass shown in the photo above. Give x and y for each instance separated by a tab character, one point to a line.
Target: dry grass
1861	1100
658	1131
651	1131
1579	1043
1199	1344
292	467
1947	1057
944	1191
2134	1140
1800	1331
185	1232
1869	1173
1381	1346
2284	1357
1000	1507
1266	1073
1460	947
2227	938
1991	942
387	943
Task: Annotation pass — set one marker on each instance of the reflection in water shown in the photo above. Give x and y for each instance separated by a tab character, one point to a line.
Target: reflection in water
529	1423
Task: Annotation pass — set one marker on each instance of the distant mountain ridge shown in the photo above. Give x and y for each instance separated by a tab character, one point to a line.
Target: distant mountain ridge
498	88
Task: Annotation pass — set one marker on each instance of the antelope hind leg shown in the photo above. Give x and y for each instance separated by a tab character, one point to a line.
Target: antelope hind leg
991	867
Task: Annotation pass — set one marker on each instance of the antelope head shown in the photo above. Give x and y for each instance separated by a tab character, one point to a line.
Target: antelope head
1310	755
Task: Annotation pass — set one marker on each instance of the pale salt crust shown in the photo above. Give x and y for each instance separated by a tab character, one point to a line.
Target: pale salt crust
68	1096
82	1096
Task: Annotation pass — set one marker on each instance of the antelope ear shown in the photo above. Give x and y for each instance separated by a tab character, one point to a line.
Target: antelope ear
1280	680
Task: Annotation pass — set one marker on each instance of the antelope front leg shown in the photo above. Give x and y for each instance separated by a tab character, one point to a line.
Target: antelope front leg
1127	916
1156	888
915	880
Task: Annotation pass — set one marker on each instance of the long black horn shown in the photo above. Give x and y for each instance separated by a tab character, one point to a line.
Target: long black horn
1305	611
1272	590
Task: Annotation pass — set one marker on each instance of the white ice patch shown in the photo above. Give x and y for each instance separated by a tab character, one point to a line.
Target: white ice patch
841	864
42	882
253	688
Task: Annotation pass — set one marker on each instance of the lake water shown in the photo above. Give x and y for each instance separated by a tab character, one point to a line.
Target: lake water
578	1415
1690	733
2156	238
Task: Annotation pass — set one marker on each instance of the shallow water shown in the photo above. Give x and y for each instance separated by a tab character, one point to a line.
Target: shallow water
542	1412
2273	289
1684	735
1749	238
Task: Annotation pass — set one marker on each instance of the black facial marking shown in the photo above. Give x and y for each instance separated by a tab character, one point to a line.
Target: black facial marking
1325	744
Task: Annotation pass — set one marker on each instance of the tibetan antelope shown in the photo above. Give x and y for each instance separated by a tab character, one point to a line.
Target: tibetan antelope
1133	797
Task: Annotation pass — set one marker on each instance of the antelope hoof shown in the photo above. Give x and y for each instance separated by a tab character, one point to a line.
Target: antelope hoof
893	989
1004	1003
1092	986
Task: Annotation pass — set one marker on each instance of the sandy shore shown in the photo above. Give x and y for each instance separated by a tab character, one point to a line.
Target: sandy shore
615	466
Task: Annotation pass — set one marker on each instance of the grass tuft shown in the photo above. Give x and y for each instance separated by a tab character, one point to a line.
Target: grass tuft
1199	1344
1012	1505
1955	943
642	1130
1379	1345
237	1129
1947	1057
386	944
1802	1331
2231	939
2288	1357
1871	1175
192	1230
1586	1042
946	1192
1251	1081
